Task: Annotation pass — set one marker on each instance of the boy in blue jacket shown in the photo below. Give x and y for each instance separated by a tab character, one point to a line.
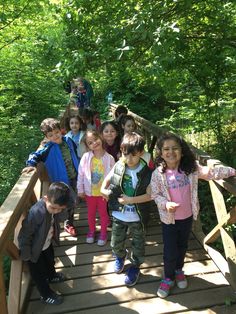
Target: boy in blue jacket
40	226
60	158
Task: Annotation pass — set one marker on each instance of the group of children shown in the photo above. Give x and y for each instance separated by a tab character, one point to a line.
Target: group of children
111	170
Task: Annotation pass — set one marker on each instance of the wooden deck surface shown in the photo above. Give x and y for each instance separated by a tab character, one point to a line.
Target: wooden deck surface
92	286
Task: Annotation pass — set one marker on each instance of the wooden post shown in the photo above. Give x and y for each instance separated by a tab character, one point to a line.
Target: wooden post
227	239
3	301
14	297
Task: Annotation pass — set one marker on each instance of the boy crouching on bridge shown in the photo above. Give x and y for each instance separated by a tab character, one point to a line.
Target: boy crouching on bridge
40	226
128	192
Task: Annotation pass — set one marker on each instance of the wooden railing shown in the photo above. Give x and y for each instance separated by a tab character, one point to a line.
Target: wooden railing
225	217
30	187
27	190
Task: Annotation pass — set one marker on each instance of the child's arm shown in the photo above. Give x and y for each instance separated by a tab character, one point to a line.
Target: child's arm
35	158
105	184
25	237
216	173
80	179
124	199
158	193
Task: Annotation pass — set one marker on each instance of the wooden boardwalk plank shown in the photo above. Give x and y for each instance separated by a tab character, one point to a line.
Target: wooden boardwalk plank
82	277
93	287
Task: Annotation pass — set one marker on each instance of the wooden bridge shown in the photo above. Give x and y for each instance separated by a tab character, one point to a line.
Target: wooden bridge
92	286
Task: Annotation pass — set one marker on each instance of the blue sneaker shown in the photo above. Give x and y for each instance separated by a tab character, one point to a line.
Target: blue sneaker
132	276
119	264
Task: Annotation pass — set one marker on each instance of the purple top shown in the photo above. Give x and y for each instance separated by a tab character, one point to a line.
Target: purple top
113	149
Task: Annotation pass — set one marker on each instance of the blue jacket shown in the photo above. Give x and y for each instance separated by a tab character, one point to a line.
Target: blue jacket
51	156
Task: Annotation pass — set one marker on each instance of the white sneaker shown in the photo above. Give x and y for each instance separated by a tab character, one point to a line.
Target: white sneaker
180	279
90	238
102	242
165	287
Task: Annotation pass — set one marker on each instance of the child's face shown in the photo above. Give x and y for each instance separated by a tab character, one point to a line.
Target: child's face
94	143
109	134
53	208
132	160
129	126
74	125
171	152
54	136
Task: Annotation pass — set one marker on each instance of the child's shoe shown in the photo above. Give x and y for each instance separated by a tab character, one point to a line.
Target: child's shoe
164	288
53	299
102	240
180	279
71	230
132	276
119	264
58	277
90	238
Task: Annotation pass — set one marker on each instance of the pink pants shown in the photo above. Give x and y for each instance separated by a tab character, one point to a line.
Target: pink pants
97	203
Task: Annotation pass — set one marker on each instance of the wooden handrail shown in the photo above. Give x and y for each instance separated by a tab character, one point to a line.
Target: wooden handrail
226	263
27	190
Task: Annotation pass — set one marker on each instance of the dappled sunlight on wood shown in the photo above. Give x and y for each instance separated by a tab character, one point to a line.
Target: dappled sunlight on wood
72	254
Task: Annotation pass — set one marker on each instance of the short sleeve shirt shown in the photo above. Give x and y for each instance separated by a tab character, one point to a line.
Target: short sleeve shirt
97	175
179	189
129	183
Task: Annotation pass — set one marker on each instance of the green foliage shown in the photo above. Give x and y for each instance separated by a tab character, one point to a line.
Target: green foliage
30	88
6	270
169	61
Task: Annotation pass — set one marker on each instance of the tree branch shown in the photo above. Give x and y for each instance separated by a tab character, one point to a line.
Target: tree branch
10	42
16	17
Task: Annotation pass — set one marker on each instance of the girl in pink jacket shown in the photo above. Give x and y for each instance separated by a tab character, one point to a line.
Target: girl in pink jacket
174	186
93	168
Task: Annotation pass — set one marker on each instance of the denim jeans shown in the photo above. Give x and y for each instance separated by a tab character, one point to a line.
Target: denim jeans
175	239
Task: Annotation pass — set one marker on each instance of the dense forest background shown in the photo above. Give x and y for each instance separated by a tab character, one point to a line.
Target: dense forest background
170	61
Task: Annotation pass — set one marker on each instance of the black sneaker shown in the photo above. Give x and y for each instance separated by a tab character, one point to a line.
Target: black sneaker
53	299
59	277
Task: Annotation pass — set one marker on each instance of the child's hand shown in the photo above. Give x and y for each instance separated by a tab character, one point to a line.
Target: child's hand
28	169
81	195
171	206
105	194
124	199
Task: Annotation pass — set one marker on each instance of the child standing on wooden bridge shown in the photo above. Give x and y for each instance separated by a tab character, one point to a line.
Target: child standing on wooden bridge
174	186
94	166
127	187
111	137
60	158
76	133
40	226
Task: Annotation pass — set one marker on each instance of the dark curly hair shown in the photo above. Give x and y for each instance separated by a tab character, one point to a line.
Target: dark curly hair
188	160
112	123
